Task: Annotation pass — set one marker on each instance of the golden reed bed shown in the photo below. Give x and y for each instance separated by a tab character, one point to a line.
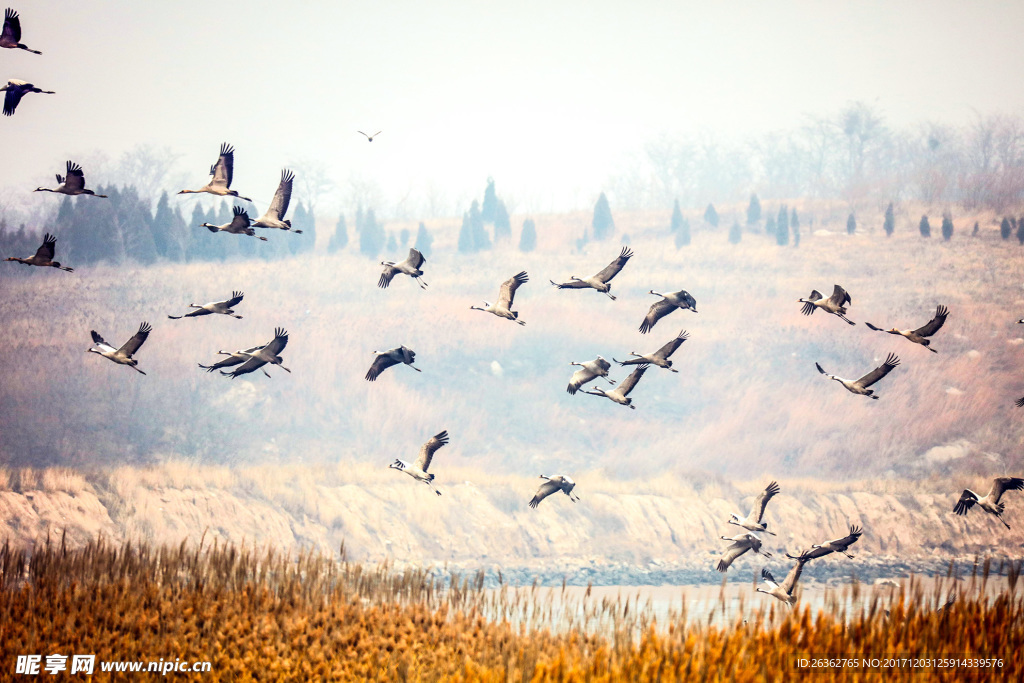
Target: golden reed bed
256	615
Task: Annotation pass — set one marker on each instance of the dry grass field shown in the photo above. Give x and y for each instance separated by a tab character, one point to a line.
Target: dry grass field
265	616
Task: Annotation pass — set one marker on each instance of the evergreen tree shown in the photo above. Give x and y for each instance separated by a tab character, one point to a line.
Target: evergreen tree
735	233
890	220
677	218
165	238
528	237
339	240
682	234
200	239
502	223
489	210
403	238
711	216
134	225
1020	230
392	243
602	223
851	224
423	240
769	225
977	227
947	227
753	210
794	226
180	234
90	237
304	220
371	235
1005	229
924	227
481	240
467	244
782	226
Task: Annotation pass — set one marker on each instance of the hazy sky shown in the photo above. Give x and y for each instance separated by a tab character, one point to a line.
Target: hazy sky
549	98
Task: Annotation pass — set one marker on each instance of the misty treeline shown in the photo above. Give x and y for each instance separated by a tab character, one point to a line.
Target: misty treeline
853	155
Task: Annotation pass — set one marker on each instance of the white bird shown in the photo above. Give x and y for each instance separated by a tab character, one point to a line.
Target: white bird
786	591
659	357
10	37
236	358
222	307
385	359
588	371
369	137
418	470
239	225
836	545
43	256
267	353
503	307
740	544
620	393
990	503
835	304
601	281
559	482
123	355
410	266
753	521
860	386
71	184
15	91
274	217
918	336
222	173
669	302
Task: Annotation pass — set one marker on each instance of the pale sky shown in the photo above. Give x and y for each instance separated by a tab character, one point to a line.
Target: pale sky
549	98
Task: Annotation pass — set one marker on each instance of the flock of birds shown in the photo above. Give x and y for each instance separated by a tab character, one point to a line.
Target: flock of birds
258	357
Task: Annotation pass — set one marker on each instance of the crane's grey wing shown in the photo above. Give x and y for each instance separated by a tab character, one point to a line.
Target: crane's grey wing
762	501
613	268
935	324
250	365
811	553
429	448
11	99
731	553
545	490
283	196
670	348
850	539
48	248
224	169
634	377
12	27
239	220
75	178
965	503
881	371
133	344
794	575
415	258
571	284
767	577
658	310
508	289
387	276
579	378
277	344
380	364
1001	485
840	297
236	298
96	338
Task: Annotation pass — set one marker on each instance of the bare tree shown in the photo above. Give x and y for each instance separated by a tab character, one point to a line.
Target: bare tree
312	182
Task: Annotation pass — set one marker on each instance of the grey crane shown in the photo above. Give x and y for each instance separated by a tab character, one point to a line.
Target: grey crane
836	545
221	174
274	216
754	520
740	544
786	591
669	302
238	225
860	386
10	36
588	371
919	336
369	137
601	281
835	304
410	266
71	184
223	307
659	357
620	393
990	503
43	256
123	355
268	353
418	469
503	306
385	359
16	89
559	482
233	358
